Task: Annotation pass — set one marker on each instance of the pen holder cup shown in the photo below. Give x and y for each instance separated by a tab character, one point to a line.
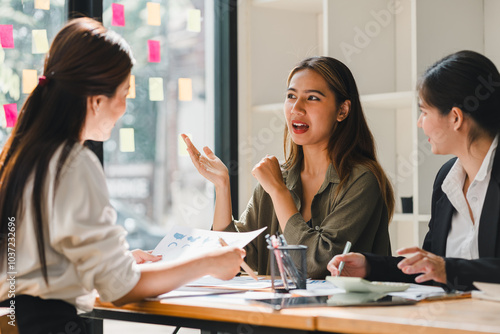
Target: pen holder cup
288	267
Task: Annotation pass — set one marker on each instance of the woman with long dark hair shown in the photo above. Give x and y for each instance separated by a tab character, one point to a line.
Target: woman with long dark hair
460	114
58	238
332	188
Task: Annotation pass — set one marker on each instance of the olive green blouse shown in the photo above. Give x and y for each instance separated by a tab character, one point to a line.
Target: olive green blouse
358	214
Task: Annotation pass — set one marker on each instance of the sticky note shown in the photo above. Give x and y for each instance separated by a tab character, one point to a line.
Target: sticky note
40	43
185	89
154	51
127	141
154	15
156	89
10	114
118	18
42	4
194	20
6	36
30	80
182	147
131	90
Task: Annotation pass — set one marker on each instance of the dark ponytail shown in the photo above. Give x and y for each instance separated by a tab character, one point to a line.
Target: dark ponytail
84	60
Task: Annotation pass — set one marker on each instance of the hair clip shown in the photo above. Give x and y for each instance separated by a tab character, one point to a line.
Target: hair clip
43	81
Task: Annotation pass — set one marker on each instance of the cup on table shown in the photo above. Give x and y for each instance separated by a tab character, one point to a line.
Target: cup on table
288	267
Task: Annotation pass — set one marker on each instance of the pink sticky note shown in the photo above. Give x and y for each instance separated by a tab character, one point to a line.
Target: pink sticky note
118	15
6	36
154	51
10	114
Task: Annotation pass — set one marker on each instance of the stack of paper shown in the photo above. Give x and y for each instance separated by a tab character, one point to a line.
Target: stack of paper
488	291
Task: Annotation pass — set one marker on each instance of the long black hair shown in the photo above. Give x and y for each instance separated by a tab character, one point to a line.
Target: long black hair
85	59
469	81
351	141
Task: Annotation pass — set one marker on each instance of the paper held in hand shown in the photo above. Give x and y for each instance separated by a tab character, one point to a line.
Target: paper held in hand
183	242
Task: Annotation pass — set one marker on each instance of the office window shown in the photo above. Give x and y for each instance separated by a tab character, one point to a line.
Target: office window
26	29
147	169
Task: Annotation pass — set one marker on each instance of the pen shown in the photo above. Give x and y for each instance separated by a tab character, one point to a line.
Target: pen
279	261
347	248
245	266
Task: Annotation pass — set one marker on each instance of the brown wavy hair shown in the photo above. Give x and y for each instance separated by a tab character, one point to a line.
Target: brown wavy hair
351	141
85	59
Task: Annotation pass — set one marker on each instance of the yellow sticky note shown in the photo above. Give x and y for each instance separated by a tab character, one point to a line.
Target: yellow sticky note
131	90
185	89
40	43
182	147
127	142
42	4
156	89
154	14
194	20
30	80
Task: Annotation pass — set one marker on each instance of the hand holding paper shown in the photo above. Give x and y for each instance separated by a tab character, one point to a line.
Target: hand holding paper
184	242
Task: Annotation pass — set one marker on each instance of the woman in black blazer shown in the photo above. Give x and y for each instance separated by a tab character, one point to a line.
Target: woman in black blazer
459	98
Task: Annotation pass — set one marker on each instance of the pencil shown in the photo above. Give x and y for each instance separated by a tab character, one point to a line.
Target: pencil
245	266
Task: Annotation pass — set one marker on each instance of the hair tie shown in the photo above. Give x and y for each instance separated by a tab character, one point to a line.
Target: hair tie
43	81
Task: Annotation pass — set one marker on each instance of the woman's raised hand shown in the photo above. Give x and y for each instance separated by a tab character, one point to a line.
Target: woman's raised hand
208	165
268	173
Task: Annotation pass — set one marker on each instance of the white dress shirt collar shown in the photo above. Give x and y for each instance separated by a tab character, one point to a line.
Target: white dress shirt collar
462	239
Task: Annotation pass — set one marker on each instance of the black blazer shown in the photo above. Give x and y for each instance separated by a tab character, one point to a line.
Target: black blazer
460	273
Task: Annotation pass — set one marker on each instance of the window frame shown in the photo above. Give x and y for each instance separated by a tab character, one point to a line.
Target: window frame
225	83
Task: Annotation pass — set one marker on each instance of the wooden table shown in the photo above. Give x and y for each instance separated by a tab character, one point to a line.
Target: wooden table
194	312
450	316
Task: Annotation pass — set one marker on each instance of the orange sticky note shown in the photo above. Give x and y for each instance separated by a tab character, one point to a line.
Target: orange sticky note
42	4
131	90
118	15
156	89
154	14
185	89
39	43
194	20
10	114
30	80
127	141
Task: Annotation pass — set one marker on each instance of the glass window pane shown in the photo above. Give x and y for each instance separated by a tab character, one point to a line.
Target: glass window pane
26	29
148	171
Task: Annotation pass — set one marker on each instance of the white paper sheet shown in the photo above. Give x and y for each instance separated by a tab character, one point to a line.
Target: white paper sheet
420	292
242	283
183	242
489	291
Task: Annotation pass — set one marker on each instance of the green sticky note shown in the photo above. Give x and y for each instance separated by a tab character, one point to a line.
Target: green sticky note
182	147
127	141
40	43
156	89
194	20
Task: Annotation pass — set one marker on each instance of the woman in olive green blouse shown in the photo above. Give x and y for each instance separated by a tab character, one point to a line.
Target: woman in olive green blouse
330	190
